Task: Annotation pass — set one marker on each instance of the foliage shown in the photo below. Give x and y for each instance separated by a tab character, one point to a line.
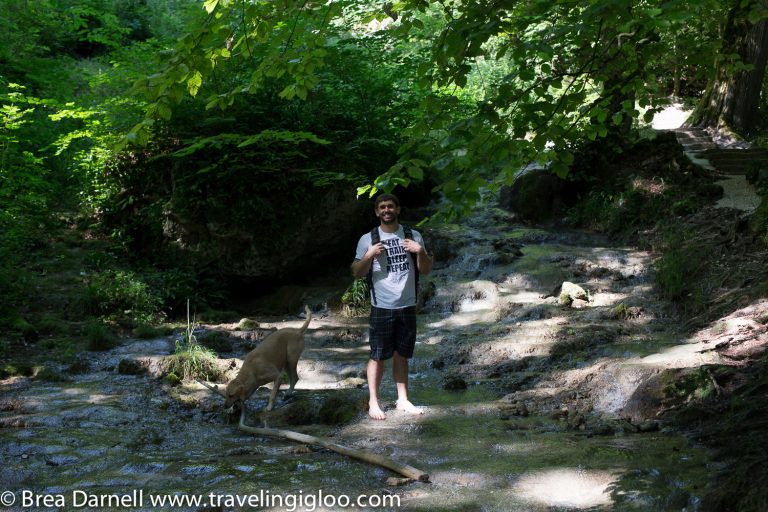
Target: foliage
99	336
122	296
193	361
506	84
356	300
678	266
759	221
146	332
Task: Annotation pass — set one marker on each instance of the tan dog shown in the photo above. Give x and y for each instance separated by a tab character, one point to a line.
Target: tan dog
278	352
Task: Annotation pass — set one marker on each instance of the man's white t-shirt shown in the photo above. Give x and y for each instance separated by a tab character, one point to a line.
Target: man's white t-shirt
394	278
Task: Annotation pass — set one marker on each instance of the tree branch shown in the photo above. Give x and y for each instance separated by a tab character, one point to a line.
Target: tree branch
372	458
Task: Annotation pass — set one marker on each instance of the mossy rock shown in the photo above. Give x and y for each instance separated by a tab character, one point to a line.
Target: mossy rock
50	375
454	382
79	367
130	367
172	379
338	410
217	341
247	324
570	292
17	369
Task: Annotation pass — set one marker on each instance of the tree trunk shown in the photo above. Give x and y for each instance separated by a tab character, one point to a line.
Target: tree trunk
732	98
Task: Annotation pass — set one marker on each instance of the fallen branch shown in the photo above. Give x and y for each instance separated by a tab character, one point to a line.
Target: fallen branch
373	458
215	389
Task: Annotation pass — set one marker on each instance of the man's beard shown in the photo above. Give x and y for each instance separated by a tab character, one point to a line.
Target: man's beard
389	219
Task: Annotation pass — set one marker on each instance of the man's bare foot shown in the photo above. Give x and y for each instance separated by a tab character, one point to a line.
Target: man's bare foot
375	412
407	406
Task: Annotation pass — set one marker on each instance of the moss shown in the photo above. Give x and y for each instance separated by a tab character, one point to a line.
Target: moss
247	324
17	369
338	410
148	332
48	374
172	379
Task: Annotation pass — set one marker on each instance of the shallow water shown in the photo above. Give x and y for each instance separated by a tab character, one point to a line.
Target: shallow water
493	323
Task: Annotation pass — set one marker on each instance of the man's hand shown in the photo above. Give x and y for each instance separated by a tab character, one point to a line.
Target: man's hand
374	250
361	267
412	246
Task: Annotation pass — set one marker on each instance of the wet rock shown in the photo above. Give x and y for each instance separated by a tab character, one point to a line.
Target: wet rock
427	291
575	419
579	304
60	460
338	410
130	367
601	428
511	366
454	382
79	367
534	313
677	500
352	382
513	409
648	426
508	245
437	364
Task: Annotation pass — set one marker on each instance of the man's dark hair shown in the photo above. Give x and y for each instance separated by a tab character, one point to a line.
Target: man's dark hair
386	197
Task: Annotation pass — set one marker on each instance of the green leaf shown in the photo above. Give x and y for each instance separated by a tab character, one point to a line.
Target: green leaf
210	5
415	172
194	83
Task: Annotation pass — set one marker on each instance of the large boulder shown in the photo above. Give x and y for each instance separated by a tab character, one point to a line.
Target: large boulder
537	194
309	241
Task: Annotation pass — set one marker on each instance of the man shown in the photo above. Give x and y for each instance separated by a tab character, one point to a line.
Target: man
390	265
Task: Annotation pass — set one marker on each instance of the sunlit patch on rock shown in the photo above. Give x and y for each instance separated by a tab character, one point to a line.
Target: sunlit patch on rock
574	488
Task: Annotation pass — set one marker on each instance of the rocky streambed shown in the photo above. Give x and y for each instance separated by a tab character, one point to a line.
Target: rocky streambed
534	399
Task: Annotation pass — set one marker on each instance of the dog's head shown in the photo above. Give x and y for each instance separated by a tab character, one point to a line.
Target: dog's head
233	395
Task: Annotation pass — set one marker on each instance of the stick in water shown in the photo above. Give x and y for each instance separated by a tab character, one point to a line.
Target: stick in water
373	458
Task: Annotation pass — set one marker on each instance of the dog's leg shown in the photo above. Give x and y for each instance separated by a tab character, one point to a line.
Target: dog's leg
273	393
293	377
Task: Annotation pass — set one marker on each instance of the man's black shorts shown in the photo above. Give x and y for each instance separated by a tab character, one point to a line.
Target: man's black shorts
392	330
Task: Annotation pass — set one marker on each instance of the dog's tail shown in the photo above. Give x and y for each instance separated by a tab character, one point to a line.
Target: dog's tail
308	312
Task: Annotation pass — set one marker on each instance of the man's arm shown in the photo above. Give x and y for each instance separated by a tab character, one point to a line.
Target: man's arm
423	260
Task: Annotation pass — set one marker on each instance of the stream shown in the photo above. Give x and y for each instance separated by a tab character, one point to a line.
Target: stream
529	405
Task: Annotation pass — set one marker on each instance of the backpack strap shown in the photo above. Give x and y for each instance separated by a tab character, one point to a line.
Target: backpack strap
408	232
375	238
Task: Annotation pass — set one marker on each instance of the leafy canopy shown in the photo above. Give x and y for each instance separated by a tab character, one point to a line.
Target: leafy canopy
506	83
